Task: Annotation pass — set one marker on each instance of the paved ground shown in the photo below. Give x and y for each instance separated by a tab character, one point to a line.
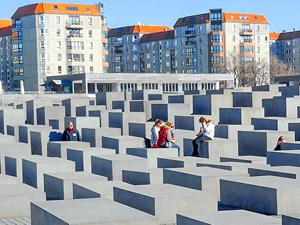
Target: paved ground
16	221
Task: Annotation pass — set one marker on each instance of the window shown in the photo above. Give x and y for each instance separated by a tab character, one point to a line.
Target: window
18	71
216	49
216	27
191	62
216	59
18	23
216	16
17	47
91	69
191	51
75	57
90	33
90	45
58	44
91	57
58	56
18	59
59	70
18	35
58	32
90	21
43	19
57	19
216	38
44	32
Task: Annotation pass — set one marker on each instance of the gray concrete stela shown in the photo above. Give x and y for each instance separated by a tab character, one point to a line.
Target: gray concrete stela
110	177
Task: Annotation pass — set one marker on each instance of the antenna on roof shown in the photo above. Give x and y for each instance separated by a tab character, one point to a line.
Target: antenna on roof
283	31
294	29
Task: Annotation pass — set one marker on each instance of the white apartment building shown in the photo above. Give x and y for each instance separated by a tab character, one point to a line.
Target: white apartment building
50	39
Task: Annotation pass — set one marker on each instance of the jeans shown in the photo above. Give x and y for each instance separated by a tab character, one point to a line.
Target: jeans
197	141
176	146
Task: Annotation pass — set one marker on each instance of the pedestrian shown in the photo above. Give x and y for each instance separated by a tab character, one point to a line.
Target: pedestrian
166	137
71	133
207	132
154	132
280	140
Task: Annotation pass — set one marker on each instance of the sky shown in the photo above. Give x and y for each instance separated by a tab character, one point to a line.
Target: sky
281	15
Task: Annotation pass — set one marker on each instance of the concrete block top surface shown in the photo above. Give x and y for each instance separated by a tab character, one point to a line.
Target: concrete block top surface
284	169
121	157
5	179
100	186
17	189
70	143
165	190
42	159
125	137
93	211
267	181
206	172
77	176
234	217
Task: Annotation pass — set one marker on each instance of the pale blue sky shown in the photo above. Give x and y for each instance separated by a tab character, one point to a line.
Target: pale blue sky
281	14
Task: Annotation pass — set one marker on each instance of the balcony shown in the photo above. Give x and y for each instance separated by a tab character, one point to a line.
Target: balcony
74	25
119	51
190	32
118	42
190	42
75	36
245	42
246	32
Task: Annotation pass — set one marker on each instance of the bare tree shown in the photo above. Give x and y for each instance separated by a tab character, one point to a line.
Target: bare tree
278	68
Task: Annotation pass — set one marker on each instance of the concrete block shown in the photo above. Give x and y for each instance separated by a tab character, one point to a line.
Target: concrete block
59	148
11	117
106	98
258	142
281	107
284	158
142	129
200	178
32	106
111	166
251	99
88	211
82	157
94	135
210	104
83	111
34	167
230	131
241	217
38	138
121	143
121	120
191	122
264	194
5	179
15	199
51	116
59	186
180	162
278	171
273	123
293	219
158	199
239	116
167	112
95	189
70	105
83	122
143	177
151	154
246	159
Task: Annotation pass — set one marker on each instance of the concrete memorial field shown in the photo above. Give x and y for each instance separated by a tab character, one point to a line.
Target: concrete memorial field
109	177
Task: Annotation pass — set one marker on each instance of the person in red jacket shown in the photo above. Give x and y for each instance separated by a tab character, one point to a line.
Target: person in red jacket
166	137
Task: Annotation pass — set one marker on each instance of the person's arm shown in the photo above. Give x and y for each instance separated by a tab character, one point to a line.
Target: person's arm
208	127
169	137
78	136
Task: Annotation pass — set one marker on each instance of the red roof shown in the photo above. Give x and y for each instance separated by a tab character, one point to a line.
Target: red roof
274	36
244	18
5	31
53	8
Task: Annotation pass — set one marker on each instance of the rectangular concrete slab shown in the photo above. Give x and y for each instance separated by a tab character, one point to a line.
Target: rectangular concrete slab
88	211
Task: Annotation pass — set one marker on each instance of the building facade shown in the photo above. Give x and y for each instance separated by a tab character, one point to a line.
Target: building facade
286	47
124	47
201	44
5	54
49	39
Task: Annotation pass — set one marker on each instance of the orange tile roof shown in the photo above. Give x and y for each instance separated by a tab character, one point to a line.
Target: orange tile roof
5	23
53	8
244	18
5	31
136	29
274	36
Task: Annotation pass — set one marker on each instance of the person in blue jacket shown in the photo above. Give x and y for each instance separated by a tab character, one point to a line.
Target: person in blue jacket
71	133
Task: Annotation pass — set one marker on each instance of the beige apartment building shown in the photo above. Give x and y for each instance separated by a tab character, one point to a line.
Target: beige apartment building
50	39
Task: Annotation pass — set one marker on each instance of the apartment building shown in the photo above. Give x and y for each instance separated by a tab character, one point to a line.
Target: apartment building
124	47
49	39
201	44
204	42
5	53
157	52
286	47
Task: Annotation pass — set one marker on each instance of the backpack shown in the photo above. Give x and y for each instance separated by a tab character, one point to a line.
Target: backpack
147	142
162	136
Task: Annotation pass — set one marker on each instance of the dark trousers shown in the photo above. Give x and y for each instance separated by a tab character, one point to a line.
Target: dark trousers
195	148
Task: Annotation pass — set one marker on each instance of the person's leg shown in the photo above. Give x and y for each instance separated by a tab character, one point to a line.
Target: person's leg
201	139
195	147
176	146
